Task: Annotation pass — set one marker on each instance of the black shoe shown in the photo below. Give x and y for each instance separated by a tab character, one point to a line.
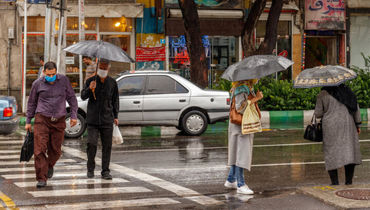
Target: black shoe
90	174
106	176
41	184
50	172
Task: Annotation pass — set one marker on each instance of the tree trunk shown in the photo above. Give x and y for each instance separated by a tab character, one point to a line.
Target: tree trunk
249	26
269	41
198	69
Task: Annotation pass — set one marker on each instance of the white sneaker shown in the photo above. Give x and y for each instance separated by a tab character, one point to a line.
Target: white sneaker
231	185
244	190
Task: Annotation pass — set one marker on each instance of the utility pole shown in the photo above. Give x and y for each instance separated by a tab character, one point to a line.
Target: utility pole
81	32
61	37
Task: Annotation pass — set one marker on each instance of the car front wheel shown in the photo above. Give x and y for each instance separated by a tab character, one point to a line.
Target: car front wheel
77	130
194	123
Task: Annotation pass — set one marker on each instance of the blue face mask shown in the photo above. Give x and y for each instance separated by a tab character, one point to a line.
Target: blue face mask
50	79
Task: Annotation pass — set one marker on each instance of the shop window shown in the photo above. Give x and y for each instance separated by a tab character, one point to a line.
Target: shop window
35	24
115	24
35	49
72	24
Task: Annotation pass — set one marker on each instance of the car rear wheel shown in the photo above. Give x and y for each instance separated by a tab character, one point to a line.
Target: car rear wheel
77	130
194	123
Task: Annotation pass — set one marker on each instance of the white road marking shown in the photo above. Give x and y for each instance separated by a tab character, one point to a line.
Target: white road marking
109	204
9	157
20	142
56	175
58	167
177	189
92	191
10	152
16	163
73	182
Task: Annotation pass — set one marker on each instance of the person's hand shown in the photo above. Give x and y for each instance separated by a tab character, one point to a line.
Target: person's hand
116	122
92	85
358	130
28	127
259	95
72	122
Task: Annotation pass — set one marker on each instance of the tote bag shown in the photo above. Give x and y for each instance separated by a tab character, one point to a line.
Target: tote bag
251	122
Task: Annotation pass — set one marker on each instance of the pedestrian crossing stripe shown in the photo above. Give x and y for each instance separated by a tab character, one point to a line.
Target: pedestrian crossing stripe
177	189
20	142
57	167
73	182
10	151
92	191
17	163
56	175
9	157
109	204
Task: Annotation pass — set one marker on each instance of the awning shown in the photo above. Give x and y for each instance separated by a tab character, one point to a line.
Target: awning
128	10
358	4
176	13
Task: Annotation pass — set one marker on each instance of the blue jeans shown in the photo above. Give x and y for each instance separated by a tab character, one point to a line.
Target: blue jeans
236	174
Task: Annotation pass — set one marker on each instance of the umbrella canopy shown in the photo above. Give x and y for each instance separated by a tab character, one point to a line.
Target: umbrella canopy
324	76
255	67
100	49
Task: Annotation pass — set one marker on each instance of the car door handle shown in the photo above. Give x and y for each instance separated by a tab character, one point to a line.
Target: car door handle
182	100
136	102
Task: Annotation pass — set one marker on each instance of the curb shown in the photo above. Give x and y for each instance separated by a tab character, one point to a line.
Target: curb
296	119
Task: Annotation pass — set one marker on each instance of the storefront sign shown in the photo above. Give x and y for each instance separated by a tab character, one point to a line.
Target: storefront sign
325	15
70	60
150	54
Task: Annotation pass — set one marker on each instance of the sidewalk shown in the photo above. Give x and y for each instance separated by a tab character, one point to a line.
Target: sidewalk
355	196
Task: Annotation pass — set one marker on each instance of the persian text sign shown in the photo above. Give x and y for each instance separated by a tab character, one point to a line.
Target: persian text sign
150	54
325	15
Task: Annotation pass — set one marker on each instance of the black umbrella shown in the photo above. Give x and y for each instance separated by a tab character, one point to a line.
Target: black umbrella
27	148
100	50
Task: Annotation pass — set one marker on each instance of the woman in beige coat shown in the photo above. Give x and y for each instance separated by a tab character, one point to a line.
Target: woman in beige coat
240	146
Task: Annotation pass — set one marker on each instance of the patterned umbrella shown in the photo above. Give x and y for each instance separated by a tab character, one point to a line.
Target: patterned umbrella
255	67
324	76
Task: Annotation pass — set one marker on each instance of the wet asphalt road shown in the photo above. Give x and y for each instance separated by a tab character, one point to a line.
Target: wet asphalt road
176	172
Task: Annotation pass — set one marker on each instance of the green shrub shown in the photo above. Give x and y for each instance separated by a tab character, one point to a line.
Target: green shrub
280	94
361	85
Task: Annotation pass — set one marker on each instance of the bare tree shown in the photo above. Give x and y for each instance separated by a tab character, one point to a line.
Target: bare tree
199	71
250	24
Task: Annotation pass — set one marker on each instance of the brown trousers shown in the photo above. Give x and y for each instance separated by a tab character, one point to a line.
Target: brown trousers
48	139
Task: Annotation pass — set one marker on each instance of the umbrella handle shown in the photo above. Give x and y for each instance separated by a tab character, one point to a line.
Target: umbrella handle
93	90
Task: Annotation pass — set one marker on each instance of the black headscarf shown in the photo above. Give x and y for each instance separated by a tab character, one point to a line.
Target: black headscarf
344	95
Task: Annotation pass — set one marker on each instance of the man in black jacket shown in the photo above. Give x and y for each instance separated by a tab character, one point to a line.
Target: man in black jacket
102	112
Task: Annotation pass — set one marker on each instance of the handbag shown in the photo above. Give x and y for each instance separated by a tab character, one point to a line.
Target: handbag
251	122
27	148
313	131
235	116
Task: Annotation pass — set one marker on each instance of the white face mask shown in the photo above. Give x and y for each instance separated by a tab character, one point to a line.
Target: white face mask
102	73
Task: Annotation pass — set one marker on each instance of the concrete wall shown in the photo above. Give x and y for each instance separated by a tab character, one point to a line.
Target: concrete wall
8	19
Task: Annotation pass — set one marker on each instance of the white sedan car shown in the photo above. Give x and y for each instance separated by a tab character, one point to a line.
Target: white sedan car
162	98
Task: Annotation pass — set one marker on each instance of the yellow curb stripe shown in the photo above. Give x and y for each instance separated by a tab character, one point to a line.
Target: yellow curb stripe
8	202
